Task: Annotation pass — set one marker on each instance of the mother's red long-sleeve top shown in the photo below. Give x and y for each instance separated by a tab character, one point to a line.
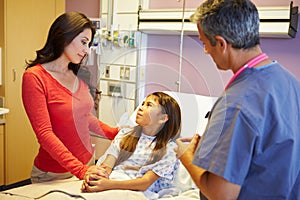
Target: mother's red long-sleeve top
62	122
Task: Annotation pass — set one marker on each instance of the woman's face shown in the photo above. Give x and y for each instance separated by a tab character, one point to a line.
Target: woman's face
149	113
79	47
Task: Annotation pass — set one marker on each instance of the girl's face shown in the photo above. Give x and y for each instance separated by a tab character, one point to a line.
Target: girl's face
150	114
79	47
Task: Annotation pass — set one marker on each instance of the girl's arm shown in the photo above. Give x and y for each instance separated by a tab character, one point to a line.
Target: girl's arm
140	184
108	163
105	163
102	171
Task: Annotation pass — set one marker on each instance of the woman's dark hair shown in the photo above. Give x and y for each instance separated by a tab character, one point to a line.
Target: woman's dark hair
170	130
63	30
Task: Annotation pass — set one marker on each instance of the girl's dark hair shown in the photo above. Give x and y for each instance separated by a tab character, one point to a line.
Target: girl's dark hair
63	30
170	130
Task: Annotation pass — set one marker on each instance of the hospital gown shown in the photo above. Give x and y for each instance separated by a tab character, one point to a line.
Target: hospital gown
165	168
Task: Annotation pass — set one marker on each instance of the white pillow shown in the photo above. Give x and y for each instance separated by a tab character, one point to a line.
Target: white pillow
194	109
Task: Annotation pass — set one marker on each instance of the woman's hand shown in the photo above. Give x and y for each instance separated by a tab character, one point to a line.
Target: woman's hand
95	172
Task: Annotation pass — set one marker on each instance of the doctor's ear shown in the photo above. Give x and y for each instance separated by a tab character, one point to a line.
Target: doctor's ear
221	42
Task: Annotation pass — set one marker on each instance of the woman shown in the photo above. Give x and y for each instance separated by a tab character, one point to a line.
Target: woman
59	104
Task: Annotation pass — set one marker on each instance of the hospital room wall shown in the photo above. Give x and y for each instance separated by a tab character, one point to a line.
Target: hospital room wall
158	4
199	74
89	7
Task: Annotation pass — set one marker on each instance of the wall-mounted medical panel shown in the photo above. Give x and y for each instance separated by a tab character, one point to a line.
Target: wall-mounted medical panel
278	21
120	14
104	7
118	89
128	73
119	73
112	72
119	56
118	61
128	6
274	21
130	91
126	21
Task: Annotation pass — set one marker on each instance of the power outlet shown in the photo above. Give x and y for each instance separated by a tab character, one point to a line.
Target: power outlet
107	71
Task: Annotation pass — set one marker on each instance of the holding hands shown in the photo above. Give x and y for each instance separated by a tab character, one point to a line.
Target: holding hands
95	177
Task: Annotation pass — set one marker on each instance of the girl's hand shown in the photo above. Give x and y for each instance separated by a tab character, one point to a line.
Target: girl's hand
95	185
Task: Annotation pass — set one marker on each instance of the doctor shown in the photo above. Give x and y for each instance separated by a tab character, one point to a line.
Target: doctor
251	146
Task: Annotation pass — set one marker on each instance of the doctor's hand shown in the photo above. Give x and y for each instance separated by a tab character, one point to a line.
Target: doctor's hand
186	146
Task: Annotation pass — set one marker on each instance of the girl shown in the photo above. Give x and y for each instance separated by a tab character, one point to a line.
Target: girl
144	156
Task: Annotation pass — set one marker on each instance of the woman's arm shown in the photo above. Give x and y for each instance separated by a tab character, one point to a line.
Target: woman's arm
100	128
140	184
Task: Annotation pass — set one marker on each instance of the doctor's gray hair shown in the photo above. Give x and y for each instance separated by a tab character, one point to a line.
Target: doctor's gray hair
237	21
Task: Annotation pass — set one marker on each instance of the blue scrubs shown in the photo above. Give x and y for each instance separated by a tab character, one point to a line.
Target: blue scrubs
253	135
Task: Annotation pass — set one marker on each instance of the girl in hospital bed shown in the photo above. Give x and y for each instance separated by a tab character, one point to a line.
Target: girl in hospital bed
142	159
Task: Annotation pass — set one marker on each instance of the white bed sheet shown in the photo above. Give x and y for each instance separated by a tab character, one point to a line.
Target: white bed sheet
69	189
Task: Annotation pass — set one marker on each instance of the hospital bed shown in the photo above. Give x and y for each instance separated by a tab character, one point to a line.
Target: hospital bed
194	108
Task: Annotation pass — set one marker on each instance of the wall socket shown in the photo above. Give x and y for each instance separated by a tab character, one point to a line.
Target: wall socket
107	71
125	73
